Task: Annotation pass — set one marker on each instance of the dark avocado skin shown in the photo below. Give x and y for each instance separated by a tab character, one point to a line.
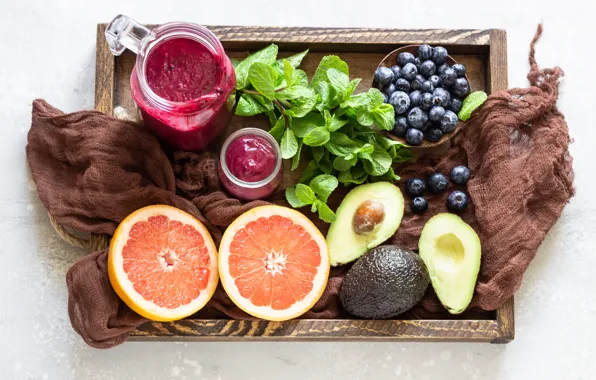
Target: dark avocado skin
383	283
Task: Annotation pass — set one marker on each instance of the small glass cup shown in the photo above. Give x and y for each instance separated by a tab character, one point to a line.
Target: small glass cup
250	190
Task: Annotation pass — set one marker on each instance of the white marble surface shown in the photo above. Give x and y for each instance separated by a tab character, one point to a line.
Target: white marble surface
48	50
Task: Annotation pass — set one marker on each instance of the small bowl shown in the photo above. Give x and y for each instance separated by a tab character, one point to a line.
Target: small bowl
391	60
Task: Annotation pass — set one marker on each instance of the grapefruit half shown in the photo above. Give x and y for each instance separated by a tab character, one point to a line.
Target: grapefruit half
162	263
273	263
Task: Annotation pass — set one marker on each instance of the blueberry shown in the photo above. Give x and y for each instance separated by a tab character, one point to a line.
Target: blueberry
385	98
404	58
400	101
439	55
389	89
402	84
425	52
426	101
427	87
434	134
396	72
449	122
417	63
417	118
441	97
428	68
461	87
436	113
457	201
441	68
409	71
460	70
416	83
414	136
460	175
401	126
415	97
383	76
448	77
455	105
437	182
435	81
415	187
419	205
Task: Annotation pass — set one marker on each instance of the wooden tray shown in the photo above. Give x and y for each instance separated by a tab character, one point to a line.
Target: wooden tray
483	52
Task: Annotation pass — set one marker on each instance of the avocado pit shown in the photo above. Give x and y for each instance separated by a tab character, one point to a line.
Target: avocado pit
368	216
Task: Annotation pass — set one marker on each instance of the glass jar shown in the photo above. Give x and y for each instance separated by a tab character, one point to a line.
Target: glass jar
250	164
182	81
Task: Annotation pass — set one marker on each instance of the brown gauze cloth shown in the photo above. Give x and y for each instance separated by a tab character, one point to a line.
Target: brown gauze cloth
92	170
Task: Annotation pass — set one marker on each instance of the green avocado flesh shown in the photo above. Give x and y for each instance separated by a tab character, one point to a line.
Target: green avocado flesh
383	283
345	245
451	251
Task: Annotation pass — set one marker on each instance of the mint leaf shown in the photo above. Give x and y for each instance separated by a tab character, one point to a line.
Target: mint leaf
304	125
249	106
342	163
296	158
470	103
376	97
311	171
325	163
299	78
359	100
366	148
327	118
318	152
328	62
305	194
317	137
296	93
384	116
325	213
292	198
364	117
341	145
263	77
323	185
351	87
336	123
266	56
288	72
339	81
356	176
315	206
390	176
278	129
289	144
377	163
301	106
402	155
324	91
296	59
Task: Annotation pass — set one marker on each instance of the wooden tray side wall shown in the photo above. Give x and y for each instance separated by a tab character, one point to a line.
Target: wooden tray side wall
485	54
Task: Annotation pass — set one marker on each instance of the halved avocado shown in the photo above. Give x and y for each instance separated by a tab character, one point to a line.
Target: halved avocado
368	215
451	251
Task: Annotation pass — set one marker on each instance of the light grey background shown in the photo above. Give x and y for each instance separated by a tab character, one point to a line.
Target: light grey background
47	50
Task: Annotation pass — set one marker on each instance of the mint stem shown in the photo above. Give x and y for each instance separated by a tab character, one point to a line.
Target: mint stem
283	112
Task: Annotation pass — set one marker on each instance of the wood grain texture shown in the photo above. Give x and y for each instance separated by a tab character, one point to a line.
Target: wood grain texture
322	330
483	52
104	73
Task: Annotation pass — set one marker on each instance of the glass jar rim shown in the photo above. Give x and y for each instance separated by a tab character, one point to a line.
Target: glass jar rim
250	131
164	33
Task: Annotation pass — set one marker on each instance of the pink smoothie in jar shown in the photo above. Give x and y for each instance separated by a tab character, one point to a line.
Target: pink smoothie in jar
250	164
183	82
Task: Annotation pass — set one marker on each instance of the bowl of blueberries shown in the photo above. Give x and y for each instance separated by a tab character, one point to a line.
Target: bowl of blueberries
426	87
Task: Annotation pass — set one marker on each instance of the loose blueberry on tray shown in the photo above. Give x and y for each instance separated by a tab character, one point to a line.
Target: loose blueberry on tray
437	182
460	175
426	93
457	201
419	205
415	187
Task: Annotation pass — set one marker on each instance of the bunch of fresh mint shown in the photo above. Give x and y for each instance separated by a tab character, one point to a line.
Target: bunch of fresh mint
337	131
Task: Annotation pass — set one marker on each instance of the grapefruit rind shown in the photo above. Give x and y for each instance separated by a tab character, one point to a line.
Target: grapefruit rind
267	312
124	287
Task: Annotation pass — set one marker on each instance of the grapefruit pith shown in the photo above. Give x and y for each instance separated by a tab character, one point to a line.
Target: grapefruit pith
162	263
273	263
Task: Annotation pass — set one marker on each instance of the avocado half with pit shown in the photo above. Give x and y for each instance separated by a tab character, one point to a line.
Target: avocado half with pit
368	215
451	250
